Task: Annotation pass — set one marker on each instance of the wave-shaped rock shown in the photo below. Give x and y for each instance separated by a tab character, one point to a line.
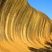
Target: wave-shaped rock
23	27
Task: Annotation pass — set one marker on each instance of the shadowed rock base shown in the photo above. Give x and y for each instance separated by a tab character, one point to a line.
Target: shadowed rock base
39	50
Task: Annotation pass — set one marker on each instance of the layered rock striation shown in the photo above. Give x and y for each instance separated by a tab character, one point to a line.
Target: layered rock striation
23	28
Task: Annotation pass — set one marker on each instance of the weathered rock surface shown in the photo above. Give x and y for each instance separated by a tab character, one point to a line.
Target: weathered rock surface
23	28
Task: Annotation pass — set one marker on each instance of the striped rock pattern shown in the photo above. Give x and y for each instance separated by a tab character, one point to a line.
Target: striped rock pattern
23	28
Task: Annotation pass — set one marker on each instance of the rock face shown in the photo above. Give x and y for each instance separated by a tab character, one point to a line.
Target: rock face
23	28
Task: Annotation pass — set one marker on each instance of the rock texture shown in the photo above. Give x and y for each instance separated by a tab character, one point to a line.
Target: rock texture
23	28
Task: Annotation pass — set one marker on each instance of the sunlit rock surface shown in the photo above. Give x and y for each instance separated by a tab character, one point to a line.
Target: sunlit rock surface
23	28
